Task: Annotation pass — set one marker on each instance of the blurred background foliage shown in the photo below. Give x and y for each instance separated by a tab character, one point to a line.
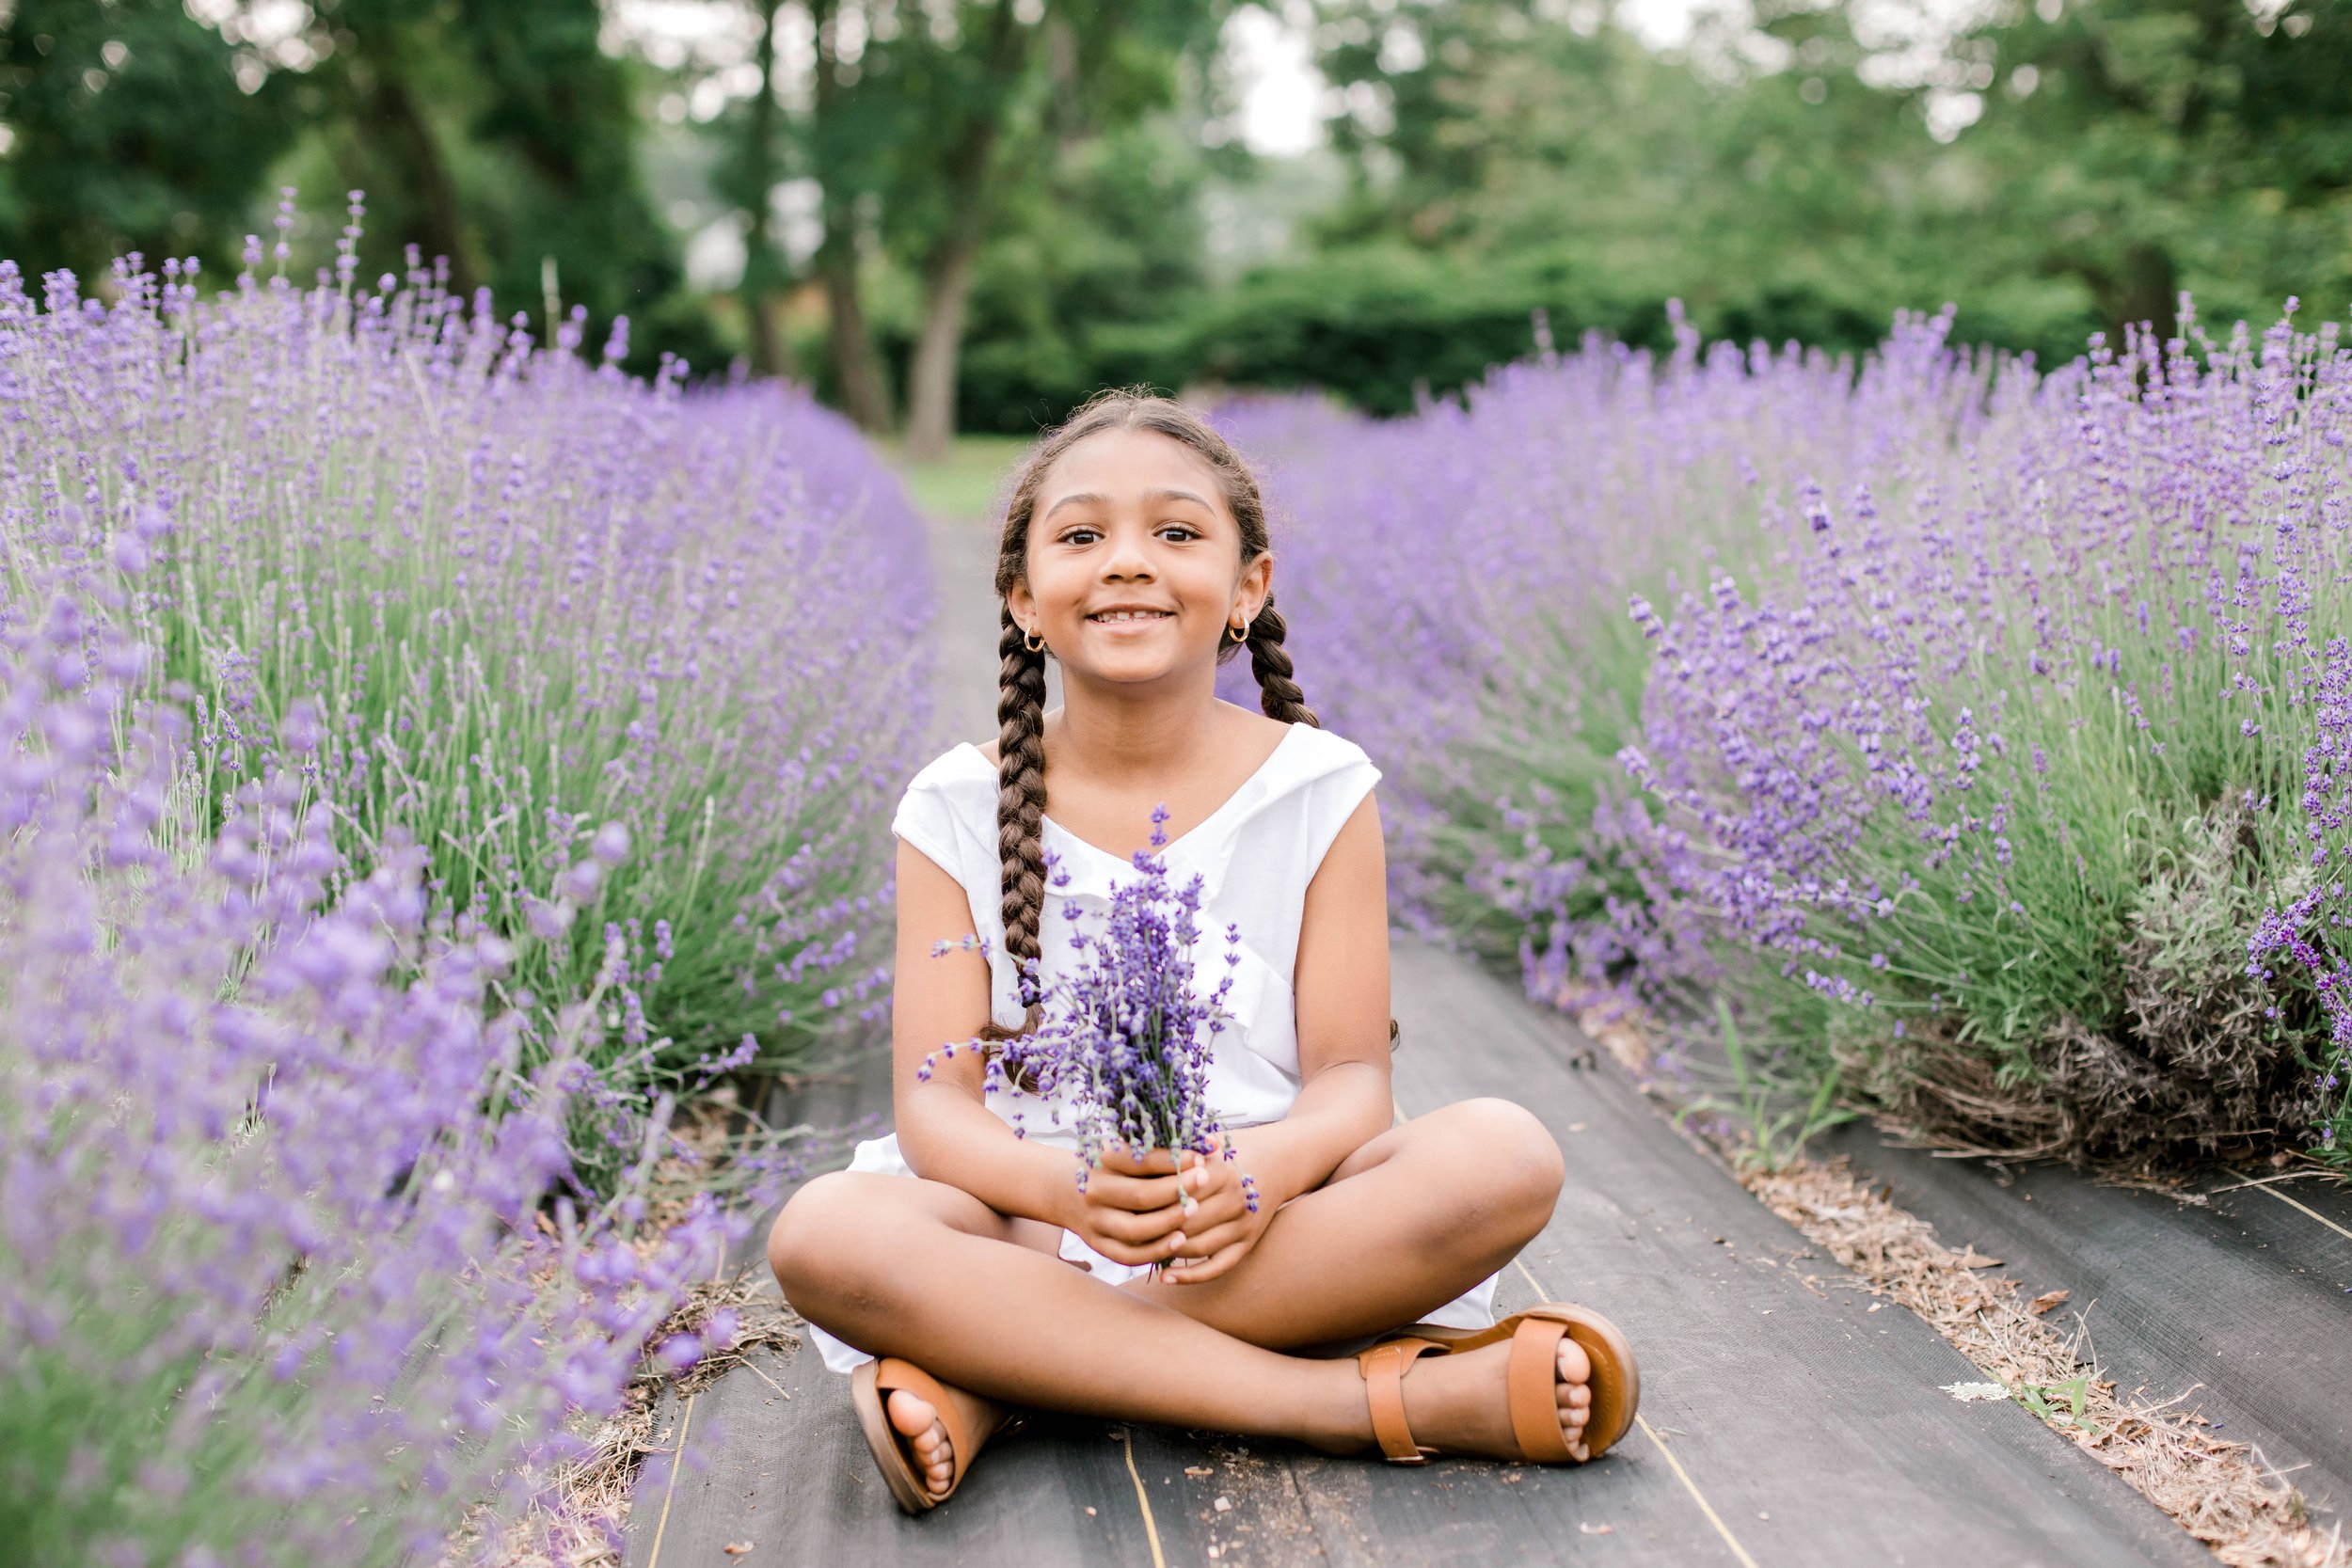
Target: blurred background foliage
967	214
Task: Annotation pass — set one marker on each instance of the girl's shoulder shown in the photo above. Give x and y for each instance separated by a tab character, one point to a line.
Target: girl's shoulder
948	810
959	773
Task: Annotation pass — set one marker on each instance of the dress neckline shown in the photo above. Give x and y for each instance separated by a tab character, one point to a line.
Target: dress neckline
1188	834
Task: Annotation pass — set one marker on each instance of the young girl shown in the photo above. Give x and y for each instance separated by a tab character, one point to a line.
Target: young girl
1134	550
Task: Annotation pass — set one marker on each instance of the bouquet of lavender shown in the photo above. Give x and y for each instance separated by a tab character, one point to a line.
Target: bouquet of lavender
1122	1034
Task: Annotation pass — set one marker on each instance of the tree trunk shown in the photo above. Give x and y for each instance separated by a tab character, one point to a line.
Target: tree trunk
856	368
2144	288
762	267
2152	290
770	353
947	271
442	228
932	379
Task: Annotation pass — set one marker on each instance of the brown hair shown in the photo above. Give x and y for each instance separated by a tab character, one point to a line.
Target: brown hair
1020	686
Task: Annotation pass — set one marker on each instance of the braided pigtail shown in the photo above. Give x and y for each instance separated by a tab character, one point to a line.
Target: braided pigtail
1277	692
1021	813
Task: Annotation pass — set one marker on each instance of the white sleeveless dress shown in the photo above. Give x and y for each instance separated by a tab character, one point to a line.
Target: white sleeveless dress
1256	854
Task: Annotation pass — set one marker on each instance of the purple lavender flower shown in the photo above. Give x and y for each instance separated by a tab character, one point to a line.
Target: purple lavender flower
504	605
277	1282
1936	668
1124	1040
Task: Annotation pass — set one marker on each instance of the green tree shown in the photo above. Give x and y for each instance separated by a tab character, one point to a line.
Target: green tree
846	137
125	129
748	172
937	124
1100	255
1604	177
2147	145
1784	177
495	133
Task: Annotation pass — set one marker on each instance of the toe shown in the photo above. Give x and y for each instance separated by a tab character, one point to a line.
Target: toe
1574	1395
916	1419
910	1413
938	1460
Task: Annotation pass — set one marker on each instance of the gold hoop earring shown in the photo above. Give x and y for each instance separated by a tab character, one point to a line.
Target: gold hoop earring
1241	633
1035	647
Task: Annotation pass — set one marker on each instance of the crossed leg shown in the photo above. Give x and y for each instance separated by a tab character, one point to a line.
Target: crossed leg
1408	1222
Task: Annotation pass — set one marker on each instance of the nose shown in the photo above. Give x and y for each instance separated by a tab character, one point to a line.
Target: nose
1126	560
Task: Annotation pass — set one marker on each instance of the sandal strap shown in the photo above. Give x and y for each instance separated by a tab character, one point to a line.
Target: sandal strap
1384	1367
1534	1380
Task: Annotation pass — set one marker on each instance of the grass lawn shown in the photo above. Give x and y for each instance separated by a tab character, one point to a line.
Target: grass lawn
964	486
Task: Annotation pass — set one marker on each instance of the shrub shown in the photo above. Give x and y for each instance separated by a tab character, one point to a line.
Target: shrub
278	1287
1456	585
523	598
1987	716
1970	780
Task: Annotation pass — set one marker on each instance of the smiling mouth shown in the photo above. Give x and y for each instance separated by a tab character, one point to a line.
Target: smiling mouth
1129	618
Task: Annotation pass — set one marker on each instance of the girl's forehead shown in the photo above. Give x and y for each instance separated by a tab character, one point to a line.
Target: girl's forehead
1126	465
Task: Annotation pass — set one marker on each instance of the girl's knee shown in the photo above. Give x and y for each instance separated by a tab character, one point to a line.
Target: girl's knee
1515	1155
818	1239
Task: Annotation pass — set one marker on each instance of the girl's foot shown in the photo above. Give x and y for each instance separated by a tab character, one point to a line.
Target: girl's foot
1456	1402
912	1418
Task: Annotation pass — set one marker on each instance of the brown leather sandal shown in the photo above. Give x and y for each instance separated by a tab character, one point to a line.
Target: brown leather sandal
1533	1375
869	1395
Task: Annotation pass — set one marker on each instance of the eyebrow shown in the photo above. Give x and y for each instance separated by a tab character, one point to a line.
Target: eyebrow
1149	496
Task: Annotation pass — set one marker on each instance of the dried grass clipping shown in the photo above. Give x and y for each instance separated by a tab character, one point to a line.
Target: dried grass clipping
582	1523
2216	1489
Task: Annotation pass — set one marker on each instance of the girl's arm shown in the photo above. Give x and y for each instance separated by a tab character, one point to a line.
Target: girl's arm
945	1130
1130	1212
1340	981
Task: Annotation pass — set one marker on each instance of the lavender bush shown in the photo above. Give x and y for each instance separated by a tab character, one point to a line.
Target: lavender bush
1987	717
1457	584
1124	1043
277	1287
489	598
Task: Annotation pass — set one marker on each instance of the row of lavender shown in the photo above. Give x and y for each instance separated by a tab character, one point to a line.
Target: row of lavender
426	752
1984	736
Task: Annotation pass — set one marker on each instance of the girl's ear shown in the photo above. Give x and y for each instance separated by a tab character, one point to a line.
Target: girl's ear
1257	580
1021	602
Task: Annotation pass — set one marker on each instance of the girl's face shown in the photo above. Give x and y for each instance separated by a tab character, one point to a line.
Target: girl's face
1134	520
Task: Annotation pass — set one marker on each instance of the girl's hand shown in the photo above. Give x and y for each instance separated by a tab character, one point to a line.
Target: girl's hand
1132	1211
1220	1230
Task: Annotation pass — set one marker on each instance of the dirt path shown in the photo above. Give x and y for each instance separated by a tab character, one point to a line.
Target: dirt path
1783	1422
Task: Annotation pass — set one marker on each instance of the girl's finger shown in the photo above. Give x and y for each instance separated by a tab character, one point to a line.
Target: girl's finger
1153	1161
1209	1268
1206	1242
1134	1192
1215	1209
1141	1230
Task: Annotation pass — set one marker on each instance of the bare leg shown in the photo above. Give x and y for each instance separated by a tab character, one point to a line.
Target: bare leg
1418	1215
1408	1222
